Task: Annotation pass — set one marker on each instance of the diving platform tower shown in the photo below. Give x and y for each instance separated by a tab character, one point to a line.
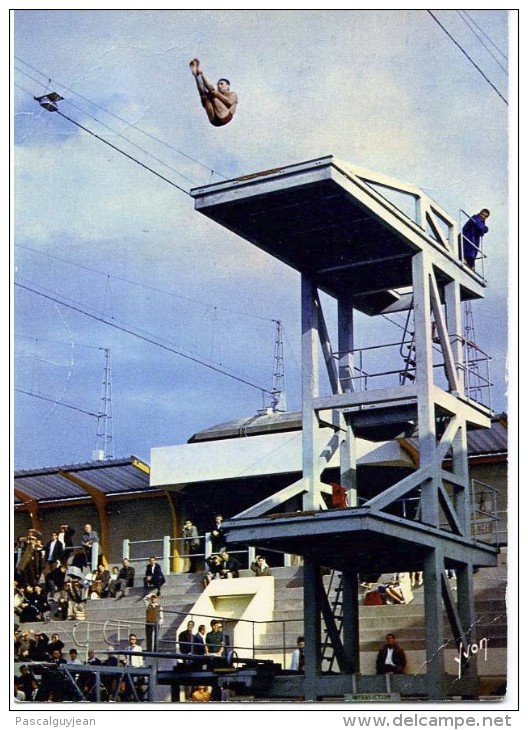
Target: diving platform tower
338	225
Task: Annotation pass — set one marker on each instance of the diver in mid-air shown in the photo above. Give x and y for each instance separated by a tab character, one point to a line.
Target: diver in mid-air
219	102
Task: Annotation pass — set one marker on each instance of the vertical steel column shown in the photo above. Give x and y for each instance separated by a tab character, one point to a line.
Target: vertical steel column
424	383
351	619
455	329
310	389
345	329
466	611
312	628
434	629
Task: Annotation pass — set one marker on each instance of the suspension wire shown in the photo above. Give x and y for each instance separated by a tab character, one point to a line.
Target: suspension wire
465	12
101	139
151	341
116	116
146	286
461	15
457	44
53	342
117	149
55	401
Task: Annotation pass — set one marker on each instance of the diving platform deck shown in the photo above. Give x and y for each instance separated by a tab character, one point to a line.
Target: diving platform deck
329	220
368	540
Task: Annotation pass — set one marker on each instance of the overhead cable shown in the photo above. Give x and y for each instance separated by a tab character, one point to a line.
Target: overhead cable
457	44
149	339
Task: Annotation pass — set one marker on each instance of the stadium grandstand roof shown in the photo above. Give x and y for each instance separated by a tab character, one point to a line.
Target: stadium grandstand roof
480	441
63	483
126	476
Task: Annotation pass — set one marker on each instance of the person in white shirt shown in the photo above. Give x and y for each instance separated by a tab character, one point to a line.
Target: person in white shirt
136	659
391	658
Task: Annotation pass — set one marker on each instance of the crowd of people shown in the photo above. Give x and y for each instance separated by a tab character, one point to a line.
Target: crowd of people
54	579
39	679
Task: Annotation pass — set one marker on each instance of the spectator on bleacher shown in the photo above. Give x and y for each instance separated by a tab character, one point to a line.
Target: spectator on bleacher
89	538
109	681
73	656
153	621
215	642
114	575
101	583
214	569
391	591
186	639
29	606
125	579
191	544
416	578
55	643
18	599
260	567
229	566
65	535
391	658
154	577
218	541
19	694
61	612
27	682
31	562
42	602
133	646
297	657
92	659
52	552
199	645
39	651
25	643
74	595
55	579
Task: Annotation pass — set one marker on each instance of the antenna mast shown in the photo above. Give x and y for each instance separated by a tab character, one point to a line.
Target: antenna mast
278	394
104	440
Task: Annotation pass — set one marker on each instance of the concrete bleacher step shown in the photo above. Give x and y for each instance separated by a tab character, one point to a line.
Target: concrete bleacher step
182	590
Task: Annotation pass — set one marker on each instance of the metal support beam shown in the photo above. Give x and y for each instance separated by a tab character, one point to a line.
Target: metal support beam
99	498
310	390
312	627
331	627
466	611
424	383
449	362
350	580
434	635
345	346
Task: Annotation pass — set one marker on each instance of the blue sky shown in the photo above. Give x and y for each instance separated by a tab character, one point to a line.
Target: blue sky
387	90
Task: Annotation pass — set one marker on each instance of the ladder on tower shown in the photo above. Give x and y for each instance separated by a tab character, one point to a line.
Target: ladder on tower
335	597
408	350
474	380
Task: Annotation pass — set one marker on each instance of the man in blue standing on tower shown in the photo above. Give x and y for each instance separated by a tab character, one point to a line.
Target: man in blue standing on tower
472	233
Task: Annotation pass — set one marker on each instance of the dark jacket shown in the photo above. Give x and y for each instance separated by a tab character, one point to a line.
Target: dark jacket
56	554
154	576
128	575
472	232
398	659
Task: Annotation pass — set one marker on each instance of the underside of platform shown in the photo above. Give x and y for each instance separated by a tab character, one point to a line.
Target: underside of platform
357	539
318	219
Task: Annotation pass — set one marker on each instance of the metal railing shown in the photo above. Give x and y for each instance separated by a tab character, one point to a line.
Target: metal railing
484	513
115	634
174	554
